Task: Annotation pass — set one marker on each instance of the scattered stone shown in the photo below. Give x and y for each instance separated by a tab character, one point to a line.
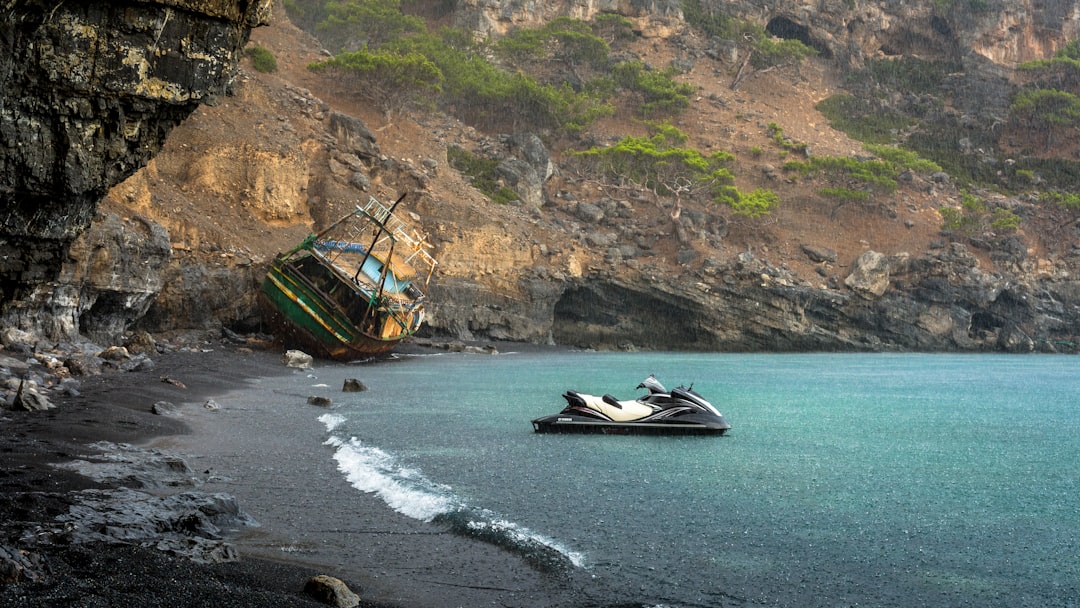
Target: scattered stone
332	591
13	364
820	254
211	405
298	359
173	381
588	212
352	385
165	408
19	566
142	343
10	336
29	400
83	365
115	354
319	401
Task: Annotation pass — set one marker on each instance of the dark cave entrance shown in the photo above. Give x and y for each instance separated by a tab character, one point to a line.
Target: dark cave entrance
785	28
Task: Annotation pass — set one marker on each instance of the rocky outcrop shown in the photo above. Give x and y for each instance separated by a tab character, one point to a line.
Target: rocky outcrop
91	89
939	302
497	17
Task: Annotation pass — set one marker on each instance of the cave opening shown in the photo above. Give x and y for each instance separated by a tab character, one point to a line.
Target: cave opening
785	28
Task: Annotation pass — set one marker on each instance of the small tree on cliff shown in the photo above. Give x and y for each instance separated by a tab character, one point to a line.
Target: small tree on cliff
659	164
390	81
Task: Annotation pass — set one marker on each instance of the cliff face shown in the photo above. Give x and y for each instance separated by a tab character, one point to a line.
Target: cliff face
91	90
180	244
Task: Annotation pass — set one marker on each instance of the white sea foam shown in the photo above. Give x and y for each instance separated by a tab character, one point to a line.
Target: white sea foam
405	490
525	537
332	421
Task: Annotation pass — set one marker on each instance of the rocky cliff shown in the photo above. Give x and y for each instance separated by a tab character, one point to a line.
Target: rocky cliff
570	264
91	90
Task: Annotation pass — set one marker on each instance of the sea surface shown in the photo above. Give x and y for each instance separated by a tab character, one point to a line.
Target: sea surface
847	479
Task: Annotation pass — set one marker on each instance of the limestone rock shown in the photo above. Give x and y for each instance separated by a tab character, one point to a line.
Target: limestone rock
870	276
297	359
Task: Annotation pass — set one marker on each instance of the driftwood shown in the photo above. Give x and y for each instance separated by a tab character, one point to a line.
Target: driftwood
741	74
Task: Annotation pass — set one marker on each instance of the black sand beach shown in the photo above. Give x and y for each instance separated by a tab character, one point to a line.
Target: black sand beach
386	558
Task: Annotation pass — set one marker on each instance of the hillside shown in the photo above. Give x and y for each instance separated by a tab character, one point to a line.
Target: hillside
248	177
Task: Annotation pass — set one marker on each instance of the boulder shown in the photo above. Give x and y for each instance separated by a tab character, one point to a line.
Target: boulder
332	591
298	359
28	399
352	385
165	408
870	277
353	136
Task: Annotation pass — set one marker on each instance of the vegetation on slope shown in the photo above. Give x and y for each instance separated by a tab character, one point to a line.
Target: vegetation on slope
555	81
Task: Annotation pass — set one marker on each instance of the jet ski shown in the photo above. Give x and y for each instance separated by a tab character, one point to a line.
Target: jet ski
679	411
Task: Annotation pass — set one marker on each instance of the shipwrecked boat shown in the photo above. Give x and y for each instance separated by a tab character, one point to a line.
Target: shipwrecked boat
352	291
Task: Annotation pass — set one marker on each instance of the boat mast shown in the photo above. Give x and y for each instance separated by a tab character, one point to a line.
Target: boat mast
382	228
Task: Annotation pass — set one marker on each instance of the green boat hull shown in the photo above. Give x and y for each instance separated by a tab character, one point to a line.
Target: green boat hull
303	317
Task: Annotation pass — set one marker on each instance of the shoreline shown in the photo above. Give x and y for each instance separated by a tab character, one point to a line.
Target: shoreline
384	557
115	406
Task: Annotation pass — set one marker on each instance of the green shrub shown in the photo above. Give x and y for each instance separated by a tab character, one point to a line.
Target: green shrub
570	40
660	92
974	217
758	203
1047	108
659	163
482	174
481	94
863	120
612	27
261	59
903	160
876	174
777	135
389	80
769	51
712	22
1061	71
1069	200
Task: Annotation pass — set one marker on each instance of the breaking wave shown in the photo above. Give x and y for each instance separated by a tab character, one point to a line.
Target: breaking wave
407	491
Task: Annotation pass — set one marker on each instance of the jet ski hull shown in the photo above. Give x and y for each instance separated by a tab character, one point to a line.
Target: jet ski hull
570	423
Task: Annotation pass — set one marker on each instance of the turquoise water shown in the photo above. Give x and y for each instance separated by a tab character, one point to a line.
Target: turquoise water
870	480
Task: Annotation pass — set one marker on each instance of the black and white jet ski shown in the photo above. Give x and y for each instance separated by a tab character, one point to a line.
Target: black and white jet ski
680	411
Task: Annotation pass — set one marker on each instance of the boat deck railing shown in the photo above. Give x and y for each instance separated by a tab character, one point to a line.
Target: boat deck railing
400	231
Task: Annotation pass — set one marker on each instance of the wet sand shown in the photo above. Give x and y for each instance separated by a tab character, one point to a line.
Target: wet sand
262	448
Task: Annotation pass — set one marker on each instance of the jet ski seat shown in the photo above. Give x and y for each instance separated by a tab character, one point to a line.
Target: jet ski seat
621	411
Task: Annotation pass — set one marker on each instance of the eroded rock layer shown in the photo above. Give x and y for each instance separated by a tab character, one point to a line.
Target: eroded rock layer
91	89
